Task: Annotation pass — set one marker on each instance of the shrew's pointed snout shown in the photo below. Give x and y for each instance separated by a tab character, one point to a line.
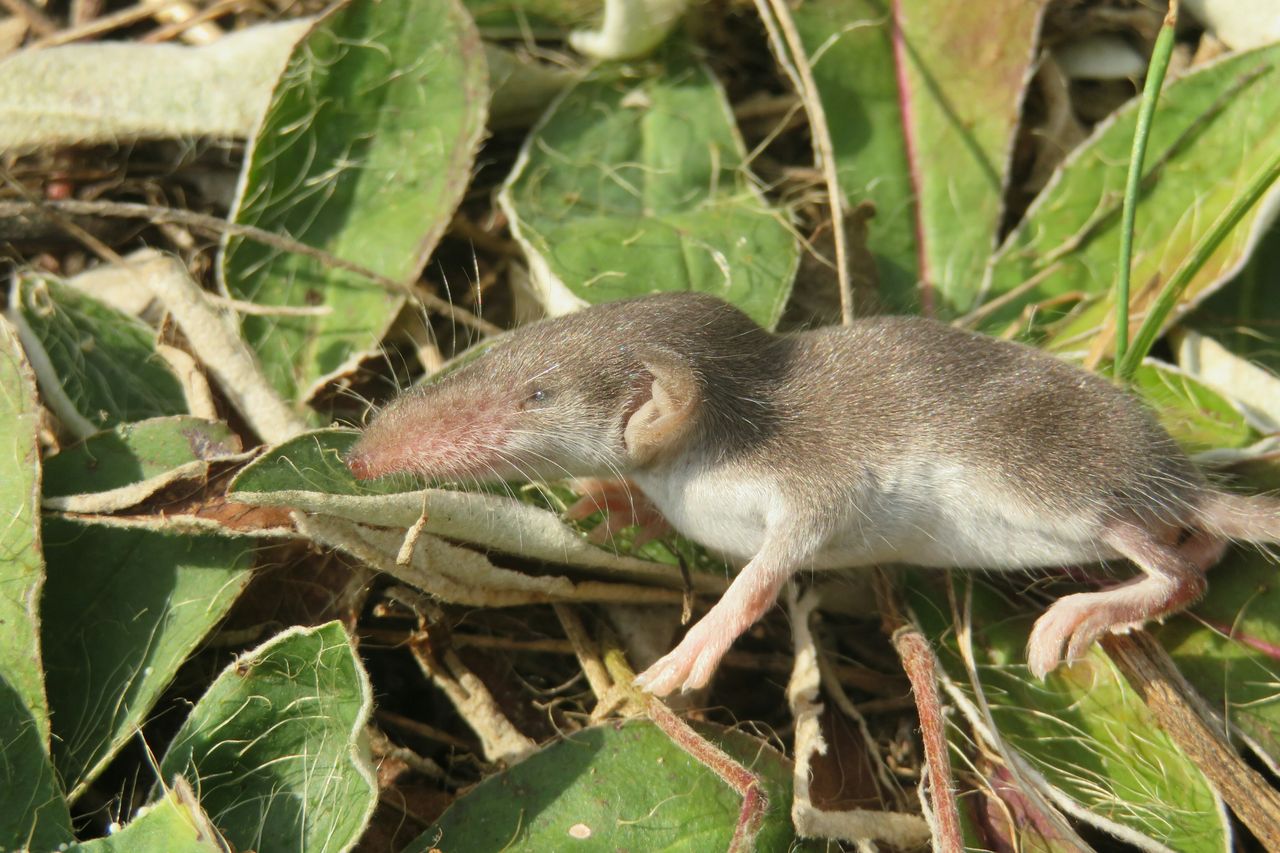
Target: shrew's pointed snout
375	455
359	464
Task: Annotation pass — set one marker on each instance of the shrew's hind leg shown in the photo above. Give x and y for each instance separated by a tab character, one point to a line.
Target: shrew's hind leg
1203	549
1173	579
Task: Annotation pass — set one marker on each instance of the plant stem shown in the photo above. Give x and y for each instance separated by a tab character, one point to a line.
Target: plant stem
1141	133
789	50
1192	264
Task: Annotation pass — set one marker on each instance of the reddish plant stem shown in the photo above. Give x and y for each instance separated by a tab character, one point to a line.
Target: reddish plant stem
742	780
921	666
901	56
1232	633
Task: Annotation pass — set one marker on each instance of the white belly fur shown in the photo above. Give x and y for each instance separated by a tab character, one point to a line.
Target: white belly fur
720	512
929	514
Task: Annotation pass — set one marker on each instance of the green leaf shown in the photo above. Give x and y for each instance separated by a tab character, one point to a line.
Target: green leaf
923	98
275	747
617	787
122	609
307	473
523	87
365	151
1214	129
1084	729
137	452
525	16
97	367
1245	314
636	182
1196	416
313	462
172	825
37	817
1230	649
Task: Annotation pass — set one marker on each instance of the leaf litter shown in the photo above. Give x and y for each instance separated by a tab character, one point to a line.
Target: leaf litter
471	667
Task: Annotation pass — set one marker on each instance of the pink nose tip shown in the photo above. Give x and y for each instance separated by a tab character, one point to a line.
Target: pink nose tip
358	464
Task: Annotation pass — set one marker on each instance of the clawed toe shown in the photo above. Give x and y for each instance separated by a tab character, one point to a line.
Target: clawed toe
1067	631
663	677
687	667
1084	638
1044	648
1067	627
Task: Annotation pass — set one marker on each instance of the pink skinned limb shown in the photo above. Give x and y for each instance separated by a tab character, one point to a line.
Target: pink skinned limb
1172	580
692	663
623	505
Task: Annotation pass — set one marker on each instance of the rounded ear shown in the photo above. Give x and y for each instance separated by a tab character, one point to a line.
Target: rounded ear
665	409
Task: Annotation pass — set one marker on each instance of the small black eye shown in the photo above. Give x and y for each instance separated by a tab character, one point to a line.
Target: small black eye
541	395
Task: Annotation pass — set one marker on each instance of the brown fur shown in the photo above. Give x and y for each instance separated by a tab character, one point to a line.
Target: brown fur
822	418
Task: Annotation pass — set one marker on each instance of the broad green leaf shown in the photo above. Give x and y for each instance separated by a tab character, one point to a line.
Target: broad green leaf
1245	314
96	366
518	17
523	87
122	609
617	787
312	462
1230	649
137	452
33	811
365	152
275	747
171	825
1211	133
922	98
1084	729
1197	417
636	182
307	473
1251	387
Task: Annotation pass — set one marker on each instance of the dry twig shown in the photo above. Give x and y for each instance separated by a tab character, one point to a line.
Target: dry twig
1186	718
216	225
789	50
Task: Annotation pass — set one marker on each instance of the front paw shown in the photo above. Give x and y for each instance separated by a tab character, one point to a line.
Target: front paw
688	666
623	506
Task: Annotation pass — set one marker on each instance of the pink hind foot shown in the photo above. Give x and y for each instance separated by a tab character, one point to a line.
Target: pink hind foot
1173	580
